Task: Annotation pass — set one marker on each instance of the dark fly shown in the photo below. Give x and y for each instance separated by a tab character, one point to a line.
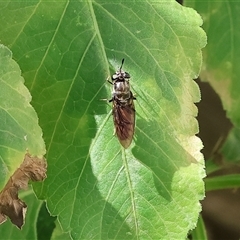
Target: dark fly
123	107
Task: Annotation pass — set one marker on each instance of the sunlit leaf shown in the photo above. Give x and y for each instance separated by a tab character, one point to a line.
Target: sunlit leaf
98	190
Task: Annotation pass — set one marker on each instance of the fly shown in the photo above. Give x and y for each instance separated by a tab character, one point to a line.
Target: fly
123	107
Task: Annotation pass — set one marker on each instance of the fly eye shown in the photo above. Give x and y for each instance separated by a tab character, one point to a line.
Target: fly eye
126	75
114	76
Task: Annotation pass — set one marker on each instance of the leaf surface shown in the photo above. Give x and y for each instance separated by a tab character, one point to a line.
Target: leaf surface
19	123
97	189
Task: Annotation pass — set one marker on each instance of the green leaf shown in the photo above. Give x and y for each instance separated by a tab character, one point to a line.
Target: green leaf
230	148
226	154
97	189
229	151
19	123
222	182
46	224
58	234
212	166
230	156
222	53
200	231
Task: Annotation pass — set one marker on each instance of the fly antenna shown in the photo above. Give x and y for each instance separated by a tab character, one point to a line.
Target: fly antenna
121	64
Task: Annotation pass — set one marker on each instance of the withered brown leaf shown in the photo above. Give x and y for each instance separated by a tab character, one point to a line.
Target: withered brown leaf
32	168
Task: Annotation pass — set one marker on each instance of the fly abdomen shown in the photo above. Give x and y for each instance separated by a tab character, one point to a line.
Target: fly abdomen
122	97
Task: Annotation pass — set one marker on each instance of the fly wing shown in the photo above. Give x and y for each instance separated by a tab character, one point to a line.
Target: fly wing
124	121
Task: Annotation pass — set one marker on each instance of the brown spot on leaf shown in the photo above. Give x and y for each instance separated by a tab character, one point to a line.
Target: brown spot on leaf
32	168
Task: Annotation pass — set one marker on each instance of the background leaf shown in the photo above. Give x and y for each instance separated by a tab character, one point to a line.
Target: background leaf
199	232
230	148
19	123
66	51
221	55
58	233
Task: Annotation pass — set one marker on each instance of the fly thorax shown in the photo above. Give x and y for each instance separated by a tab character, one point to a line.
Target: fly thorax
121	90
121	86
